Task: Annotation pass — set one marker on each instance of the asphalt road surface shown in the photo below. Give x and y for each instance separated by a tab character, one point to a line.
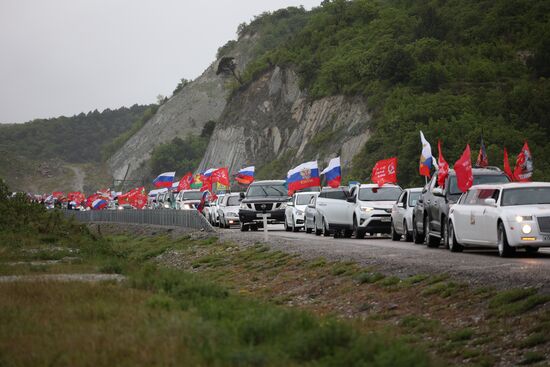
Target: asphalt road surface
478	266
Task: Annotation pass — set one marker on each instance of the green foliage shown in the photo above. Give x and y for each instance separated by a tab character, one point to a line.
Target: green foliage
180	155
451	69
76	139
182	84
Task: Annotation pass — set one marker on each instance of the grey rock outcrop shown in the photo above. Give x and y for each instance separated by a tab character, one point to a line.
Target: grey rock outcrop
273	119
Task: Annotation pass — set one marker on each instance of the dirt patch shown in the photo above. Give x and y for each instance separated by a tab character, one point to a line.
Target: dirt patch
145	230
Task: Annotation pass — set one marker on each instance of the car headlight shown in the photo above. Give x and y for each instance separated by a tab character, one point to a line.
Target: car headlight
526	229
283	206
243	206
299	212
524	218
167	206
366	209
231	214
120	208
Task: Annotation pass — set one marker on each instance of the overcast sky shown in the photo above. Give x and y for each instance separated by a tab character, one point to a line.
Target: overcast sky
63	57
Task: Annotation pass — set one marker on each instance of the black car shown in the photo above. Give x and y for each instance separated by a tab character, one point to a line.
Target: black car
430	214
268	197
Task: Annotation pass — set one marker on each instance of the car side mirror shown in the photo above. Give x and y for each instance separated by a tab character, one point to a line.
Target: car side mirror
311	206
241	195
438	191
420	200
490	202
290	203
400	205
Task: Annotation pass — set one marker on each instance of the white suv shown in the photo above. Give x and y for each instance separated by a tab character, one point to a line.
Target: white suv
371	209
505	216
333	212
295	210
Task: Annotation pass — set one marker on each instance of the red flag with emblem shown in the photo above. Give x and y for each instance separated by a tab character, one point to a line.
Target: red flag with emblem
524	165
385	171
221	175
463	170
185	182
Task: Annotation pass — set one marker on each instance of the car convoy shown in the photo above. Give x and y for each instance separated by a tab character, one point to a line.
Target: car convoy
493	213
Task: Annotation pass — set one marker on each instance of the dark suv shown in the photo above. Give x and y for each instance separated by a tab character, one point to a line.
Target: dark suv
263	197
432	208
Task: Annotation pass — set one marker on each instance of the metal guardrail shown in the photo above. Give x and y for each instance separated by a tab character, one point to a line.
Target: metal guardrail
162	217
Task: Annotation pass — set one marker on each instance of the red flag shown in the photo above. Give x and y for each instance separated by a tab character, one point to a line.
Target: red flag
221	175
507	168
137	197
385	171
58	194
206	183
524	165
91	199
185	182
76	196
463	170
443	169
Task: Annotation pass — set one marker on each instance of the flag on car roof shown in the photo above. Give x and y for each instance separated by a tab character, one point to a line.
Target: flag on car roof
482	159
245	176
164	179
426	159
385	171
221	176
303	176
443	167
333	173
206	179
185	182
507	168
463	170
99	203
524	165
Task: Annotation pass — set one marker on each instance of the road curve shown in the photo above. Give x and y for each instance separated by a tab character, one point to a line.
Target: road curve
482	267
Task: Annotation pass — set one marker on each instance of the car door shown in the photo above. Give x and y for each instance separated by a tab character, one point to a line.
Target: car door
470	217
401	208
486	217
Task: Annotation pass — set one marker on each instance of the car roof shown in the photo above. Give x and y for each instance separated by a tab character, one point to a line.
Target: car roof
268	182
481	171
368	186
231	194
414	189
306	193
341	188
511	185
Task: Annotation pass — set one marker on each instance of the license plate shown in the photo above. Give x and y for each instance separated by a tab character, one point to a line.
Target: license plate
267	215
385	219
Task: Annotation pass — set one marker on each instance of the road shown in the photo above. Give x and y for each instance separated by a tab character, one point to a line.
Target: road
477	266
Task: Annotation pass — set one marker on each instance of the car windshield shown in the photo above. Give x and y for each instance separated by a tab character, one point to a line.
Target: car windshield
526	196
234	200
379	193
192	195
478	180
266	190
413	198
303	199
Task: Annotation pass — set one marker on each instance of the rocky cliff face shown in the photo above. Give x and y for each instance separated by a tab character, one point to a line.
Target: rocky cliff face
185	113
273	124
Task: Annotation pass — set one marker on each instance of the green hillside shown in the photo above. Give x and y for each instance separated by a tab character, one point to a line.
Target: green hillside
453	69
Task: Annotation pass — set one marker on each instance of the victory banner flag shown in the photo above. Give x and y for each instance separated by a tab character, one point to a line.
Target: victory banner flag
463	170
385	171
221	175
443	170
185	182
524	165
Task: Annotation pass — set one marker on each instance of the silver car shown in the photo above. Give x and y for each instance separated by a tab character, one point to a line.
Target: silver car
401	214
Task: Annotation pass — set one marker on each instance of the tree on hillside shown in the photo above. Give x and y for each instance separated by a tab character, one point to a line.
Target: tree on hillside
228	66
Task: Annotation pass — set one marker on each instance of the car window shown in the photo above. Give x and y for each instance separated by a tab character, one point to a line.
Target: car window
192	195
404	198
233	200
379	193
486	194
336	194
526	196
267	190
413	198
312	200
470	198
303	199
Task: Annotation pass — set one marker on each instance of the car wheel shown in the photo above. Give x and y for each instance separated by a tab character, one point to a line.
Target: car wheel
294	228
308	230
531	250
317	230
504	249
326	231
417	237
431	241
408	236
394	235
254	227
348	233
359	233
450	239
287	228
244	227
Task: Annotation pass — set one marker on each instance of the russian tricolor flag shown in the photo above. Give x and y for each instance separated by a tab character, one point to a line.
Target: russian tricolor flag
99	203
333	173
303	176
245	175
426	159
164	179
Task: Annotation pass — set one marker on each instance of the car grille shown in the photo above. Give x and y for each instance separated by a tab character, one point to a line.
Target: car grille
380	215
263	206
544	224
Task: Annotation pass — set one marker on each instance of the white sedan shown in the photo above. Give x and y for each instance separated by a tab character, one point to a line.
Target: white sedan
401	214
295	210
505	216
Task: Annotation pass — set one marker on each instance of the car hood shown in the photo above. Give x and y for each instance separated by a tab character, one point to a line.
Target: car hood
378	204
301	207
266	199
234	209
526	210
